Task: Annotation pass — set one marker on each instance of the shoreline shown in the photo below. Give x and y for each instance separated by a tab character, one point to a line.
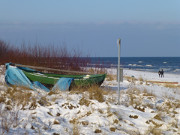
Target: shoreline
146	70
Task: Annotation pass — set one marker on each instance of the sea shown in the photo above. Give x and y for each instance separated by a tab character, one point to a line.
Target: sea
151	64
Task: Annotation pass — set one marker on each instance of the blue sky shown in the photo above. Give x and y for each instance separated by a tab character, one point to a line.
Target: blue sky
147	28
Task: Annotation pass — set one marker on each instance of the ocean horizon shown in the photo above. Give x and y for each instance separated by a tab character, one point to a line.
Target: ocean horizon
151	64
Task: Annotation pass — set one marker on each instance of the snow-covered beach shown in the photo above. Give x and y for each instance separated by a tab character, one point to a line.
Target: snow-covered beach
145	107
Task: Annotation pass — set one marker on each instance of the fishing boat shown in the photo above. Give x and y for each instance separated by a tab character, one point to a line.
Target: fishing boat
50	79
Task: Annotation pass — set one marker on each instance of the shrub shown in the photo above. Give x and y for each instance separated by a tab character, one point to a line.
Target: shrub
47	56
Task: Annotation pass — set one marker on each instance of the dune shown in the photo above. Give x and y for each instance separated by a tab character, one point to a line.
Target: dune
145	107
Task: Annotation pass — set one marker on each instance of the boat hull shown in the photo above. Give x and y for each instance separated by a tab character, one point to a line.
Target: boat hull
78	80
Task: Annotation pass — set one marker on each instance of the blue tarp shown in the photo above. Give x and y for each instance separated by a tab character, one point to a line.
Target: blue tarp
63	84
15	76
38	85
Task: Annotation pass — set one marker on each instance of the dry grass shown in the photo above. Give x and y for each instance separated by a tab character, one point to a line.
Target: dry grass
97	131
97	70
95	92
53	92
56	122
3	69
110	77
169	106
85	123
75	126
132	94
9	119
158	116
154	131
147	93
131	79
133	90
84	101
171	86
56	134
78	90
43	101
13	100
133	116
136	96
75	129
140	108
113	129
141	80
15	96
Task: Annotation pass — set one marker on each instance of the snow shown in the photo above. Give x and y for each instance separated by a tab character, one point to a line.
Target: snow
145	108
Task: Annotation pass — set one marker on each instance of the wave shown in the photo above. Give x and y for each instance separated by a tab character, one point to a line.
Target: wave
152	64
148	65
176	70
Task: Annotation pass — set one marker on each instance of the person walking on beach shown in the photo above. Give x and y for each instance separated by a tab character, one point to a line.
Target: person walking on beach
162	73
159	73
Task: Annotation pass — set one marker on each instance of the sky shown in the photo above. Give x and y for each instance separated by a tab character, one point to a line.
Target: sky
146	28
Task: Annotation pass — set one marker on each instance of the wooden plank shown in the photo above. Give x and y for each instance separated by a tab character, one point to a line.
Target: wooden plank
163	82
52	69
